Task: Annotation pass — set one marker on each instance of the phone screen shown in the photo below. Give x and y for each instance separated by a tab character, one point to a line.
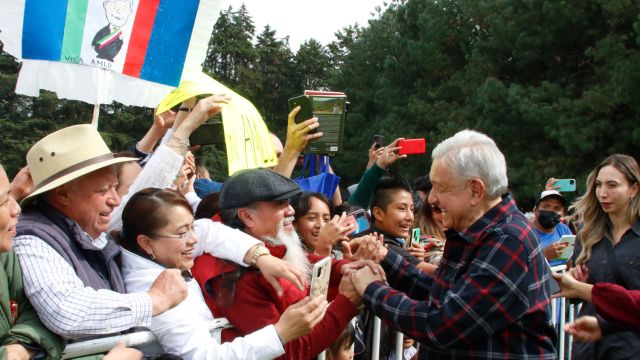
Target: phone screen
360	219
415	236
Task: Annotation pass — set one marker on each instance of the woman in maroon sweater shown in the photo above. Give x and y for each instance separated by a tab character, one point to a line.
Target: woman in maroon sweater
616	305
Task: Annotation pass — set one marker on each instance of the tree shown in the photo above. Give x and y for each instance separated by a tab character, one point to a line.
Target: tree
312	65
276	73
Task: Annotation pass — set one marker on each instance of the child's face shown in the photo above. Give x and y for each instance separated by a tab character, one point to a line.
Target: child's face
407	342
346	353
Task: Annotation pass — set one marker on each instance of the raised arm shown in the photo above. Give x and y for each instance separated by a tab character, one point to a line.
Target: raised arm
298	136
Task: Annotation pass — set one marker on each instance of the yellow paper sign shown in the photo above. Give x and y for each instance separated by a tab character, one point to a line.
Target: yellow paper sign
246	135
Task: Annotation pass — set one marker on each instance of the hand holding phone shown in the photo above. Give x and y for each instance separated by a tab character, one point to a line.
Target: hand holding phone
305	112
320	276
565	185
568	243
361	221
378	141
415	236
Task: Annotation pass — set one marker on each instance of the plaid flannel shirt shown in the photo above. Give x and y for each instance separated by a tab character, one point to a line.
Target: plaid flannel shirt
489	299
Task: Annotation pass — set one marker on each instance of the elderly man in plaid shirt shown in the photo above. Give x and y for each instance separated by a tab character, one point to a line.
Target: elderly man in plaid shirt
490	296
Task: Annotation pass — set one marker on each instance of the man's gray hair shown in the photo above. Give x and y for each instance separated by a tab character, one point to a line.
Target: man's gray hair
471	154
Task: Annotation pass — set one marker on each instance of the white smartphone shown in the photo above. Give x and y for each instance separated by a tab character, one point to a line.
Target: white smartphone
320	278
570	240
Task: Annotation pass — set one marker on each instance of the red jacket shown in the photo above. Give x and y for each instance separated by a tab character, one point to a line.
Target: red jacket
255	304
617	305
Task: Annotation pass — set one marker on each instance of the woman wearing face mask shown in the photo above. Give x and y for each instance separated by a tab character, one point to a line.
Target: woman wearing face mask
158	233
22	336
608	249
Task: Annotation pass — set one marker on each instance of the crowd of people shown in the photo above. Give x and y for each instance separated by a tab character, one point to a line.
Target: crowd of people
96	244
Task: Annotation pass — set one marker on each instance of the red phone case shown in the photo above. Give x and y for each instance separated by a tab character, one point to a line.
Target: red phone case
412	146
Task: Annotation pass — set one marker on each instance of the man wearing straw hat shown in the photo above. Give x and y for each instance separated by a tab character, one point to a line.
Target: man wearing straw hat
69	262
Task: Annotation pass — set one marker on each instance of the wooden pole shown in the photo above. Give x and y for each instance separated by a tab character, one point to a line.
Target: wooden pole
96	115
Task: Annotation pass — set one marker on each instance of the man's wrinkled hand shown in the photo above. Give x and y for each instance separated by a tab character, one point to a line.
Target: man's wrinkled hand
273	269
300	318
362	278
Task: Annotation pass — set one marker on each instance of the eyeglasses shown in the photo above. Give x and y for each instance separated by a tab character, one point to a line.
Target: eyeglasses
184	236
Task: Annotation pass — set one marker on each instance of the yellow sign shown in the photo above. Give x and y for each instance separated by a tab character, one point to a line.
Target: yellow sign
246	135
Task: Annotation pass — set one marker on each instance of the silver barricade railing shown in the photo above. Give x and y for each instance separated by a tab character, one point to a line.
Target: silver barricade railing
135	339
560	318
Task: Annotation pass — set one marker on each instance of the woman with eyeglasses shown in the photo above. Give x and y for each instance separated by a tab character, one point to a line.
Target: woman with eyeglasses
158	233
608	249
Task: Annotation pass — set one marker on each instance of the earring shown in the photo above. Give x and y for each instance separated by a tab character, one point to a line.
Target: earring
152	256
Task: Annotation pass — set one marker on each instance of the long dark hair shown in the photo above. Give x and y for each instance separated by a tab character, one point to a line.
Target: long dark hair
301	204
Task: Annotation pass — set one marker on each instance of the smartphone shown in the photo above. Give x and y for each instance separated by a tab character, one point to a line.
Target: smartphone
360	219
306	112
320	278
378	140
565	185
415	236
412	146
570	240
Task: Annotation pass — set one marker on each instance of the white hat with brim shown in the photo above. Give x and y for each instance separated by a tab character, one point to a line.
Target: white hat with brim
66	155
552	194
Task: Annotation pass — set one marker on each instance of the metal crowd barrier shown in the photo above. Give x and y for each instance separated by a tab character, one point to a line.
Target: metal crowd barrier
143	340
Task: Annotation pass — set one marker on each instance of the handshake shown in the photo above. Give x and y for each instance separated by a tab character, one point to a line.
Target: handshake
357	275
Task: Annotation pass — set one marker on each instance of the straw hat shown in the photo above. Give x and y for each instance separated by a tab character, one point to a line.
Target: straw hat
65	155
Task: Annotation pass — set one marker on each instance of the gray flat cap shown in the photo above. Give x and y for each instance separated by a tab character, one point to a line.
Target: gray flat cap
248	186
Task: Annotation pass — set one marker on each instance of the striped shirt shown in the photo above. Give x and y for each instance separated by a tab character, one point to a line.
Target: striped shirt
489	298
65	305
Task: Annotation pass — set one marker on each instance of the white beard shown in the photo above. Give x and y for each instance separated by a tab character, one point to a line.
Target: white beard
295	255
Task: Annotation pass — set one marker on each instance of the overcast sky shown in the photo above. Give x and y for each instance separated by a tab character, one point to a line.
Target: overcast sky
304	19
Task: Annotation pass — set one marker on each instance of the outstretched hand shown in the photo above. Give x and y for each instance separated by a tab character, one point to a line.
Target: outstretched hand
204	109
584	329
300	318
273	269
333	232
389	154
368	247
572	288
374	154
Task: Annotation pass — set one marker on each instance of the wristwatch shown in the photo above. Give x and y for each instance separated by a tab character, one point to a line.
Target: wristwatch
259	251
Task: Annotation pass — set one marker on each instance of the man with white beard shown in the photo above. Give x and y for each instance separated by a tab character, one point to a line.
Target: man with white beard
257	202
